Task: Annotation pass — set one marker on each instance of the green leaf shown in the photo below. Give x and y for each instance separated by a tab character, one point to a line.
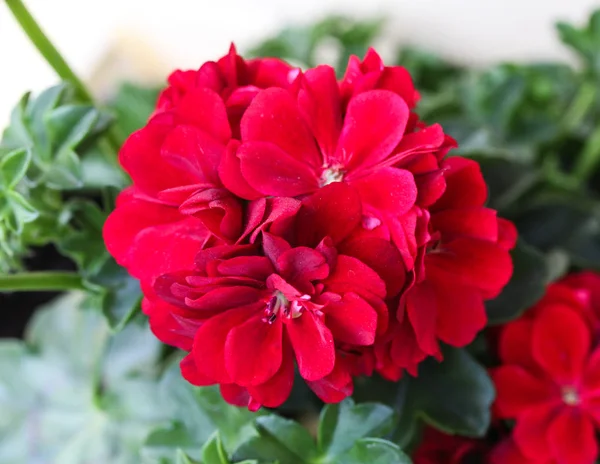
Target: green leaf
198	412
77	395
454	396
278	439
120	294
375	451
213	451
527	285
64	172
344	423
22	211
69	125
13	167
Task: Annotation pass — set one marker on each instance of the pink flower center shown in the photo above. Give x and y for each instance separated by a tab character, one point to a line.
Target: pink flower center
570	396
279	305
331	174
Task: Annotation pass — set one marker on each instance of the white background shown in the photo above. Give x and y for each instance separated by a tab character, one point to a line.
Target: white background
145	39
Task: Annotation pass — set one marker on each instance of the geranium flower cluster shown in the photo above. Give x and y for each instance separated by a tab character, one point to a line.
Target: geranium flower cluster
548	386
281	217
549	381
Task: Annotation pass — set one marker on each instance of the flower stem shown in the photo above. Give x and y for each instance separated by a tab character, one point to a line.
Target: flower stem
46	48
41	281
55	59
588	160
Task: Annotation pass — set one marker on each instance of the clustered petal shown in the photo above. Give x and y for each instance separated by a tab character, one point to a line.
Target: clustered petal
282	219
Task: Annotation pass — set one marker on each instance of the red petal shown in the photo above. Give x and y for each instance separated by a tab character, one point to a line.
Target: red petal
313	346
262	339
337	200
515	344
561	342
277	389
352	275
255	267
531	433
272	171
398	80
335	386
230	173
302	264
194	152
274	247
209	343
478	223
191	374
165	326
518	390
351	320
140	157
235	394
388	189
320	104
572	438
205	109
507	234
422	309
273	116
373	126
405	351
465	186
474	262
460	312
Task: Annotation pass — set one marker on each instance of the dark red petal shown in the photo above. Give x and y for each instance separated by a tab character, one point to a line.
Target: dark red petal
255	267
351	320
235	394
273	117
572	438
388	189
205	109
230	173
352	275
335	386
165	326
337	200
460	312
271	171
405	351
479	223
474	262
373	126
313	345
264	341
518	390
561	342
209	343
302	264
515	344
191	373
531	432
465	186
320	104
422	308
277	389
274	247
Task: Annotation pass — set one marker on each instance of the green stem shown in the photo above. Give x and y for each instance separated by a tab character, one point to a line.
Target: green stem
41	281
46	48
55	59
588	160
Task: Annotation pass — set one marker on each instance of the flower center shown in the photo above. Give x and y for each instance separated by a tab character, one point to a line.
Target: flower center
332	174
570	396
279	305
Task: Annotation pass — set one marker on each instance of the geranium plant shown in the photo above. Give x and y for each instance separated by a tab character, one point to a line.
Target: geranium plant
364	262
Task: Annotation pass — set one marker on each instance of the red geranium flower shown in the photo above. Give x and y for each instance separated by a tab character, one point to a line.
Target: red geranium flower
550	379
240	155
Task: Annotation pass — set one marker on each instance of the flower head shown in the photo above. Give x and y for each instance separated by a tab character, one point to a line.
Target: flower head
281	218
